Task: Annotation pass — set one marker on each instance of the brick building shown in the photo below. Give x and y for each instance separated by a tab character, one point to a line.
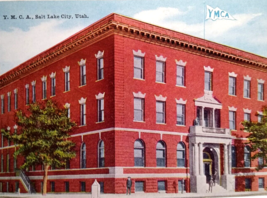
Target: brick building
162	107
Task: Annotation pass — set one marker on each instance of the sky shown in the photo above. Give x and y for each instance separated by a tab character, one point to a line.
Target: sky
21	39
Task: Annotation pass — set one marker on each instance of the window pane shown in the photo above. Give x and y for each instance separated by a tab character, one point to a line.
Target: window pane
138	143
160	146
160	153
138	153
161	185
138	62
139	186
137	103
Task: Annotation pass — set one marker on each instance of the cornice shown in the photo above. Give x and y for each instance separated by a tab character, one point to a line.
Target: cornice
114	27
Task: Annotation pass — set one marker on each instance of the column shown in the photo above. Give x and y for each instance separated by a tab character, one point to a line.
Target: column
213	118
225	160
202	117
200	159
196	159
229	159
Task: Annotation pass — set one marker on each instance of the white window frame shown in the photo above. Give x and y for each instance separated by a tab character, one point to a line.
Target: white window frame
2	104
15	99
232	121
260	91
99	65
8	101
82	102
138	55
27	94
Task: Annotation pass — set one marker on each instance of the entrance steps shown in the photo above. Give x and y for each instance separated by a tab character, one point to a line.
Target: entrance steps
217	189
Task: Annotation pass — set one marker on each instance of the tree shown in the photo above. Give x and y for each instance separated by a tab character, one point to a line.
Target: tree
43	136
258	138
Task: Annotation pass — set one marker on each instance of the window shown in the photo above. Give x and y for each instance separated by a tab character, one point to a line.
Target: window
67	81
260	161
138	109
27	94
16	186
233	156
83	75
1	187
15	163
67	187
247	117
2	163
83	156
180	108
7	163
15	99
246	156
53	86
100	112
101	154
261	182
232	86
160	112
260	91
247	184
83	114
139	186
180	154
67	166
9	101
2	105
161	186
181	185
82	186
259	118
180	81
139	67
101	187
7	187
246	89
33	91
232	120
139	153
208	81
68	112
161	154
100	68
52	185
44	89
160	71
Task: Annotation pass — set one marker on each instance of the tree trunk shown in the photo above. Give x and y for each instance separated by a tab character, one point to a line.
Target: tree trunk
45	179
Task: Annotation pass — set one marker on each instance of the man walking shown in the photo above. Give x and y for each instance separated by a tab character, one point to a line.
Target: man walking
128	185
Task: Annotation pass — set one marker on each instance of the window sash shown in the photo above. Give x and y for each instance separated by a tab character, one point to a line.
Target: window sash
15	101
100	110
83	75
53	86
180	75
67	188
138	67
161	185
44	89
246	89
2	105
138	109
27	96
139	186
208	81
67	81
260	91
160	112
83	115
180	108
160	71
8	103
232	86
100	68
247	117
232	122
33	94
261	182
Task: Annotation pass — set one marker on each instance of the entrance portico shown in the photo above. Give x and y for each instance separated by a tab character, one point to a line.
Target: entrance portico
205	142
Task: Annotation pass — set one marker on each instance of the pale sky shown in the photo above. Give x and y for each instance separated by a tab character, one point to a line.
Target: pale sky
21	39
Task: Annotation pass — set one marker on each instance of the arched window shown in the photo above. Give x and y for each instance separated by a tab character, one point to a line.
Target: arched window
246	156
139	153
161	154
101	154
180	154
83	156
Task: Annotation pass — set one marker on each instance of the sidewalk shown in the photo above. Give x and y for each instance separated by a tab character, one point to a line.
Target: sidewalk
259	194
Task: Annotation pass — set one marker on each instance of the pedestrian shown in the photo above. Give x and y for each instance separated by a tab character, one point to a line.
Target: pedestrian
210	185
214	177
128	185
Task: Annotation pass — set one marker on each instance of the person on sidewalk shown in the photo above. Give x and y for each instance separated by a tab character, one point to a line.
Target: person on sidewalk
128	185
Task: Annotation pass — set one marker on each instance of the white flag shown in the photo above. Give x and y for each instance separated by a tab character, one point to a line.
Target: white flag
217	13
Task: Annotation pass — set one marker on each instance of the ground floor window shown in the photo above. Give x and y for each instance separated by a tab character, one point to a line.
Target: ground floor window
16	186
67	187
247	184
82	186
52	186
261	182
161	186
139	186
1	187
181	185
101	187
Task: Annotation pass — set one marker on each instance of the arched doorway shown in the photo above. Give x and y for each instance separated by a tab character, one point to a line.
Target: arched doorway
209	159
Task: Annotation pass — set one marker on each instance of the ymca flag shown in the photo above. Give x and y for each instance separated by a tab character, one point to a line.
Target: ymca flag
217	13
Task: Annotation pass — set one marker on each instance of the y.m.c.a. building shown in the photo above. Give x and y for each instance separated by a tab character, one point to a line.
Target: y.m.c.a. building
159	106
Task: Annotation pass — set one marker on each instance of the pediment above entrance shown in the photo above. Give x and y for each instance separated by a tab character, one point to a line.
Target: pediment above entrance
207	100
